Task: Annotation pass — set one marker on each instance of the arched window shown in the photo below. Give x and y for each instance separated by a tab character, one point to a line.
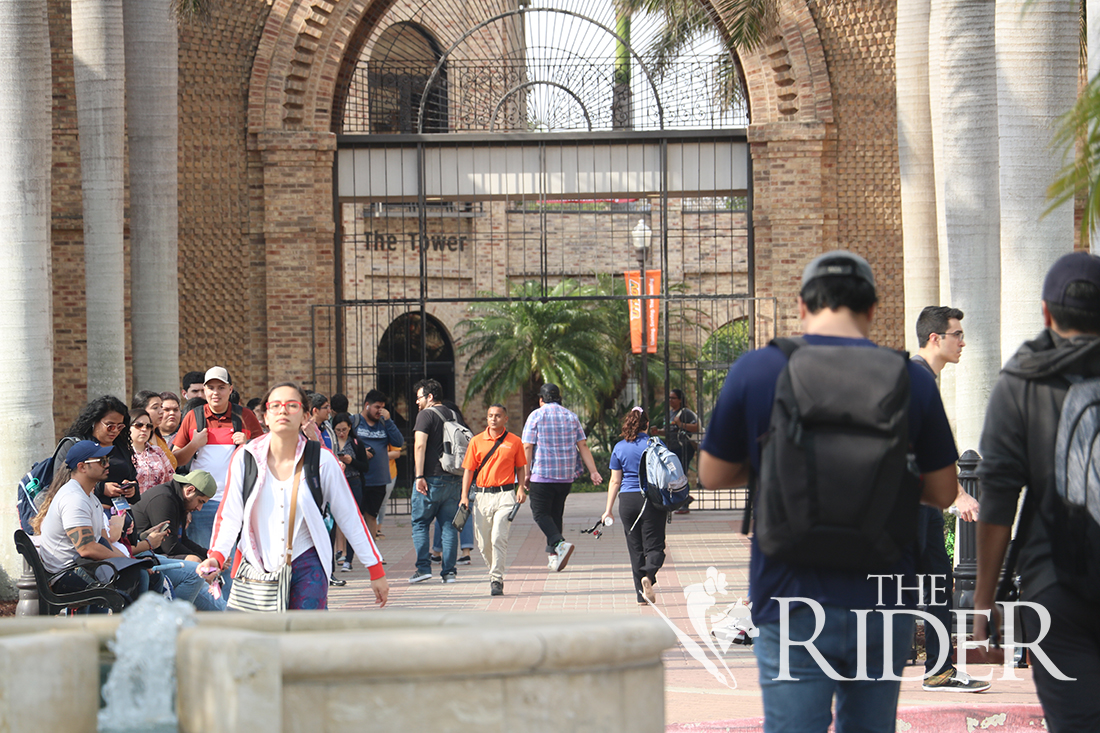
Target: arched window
400	63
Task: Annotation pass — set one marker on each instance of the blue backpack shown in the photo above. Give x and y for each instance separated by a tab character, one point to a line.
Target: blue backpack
32	487
662	477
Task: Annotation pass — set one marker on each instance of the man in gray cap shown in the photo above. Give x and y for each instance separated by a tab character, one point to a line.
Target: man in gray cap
552	438
1040	431
171	503
808	650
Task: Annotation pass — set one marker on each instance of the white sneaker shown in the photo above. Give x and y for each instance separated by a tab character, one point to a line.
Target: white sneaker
552	562
562	552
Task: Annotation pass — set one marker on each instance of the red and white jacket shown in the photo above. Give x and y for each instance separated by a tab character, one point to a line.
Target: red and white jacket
233	515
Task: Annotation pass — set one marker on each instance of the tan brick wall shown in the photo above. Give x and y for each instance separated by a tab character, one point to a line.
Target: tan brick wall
256	224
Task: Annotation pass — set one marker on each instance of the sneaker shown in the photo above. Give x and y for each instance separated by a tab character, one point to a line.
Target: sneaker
496	588
647	590
685	510
419	577
952	680
464	560
437	558
450	578
563	551
339	558
333	580
346	567
552	562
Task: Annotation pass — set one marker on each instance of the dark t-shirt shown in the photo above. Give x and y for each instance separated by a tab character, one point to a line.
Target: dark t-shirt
742	416
431	421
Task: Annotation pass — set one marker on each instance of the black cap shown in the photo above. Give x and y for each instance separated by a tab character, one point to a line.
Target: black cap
550	393
839	262
1071	268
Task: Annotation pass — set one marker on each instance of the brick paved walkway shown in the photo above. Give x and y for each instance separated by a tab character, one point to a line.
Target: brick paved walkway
598	580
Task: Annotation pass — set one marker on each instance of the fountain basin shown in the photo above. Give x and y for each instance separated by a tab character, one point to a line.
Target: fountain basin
388	671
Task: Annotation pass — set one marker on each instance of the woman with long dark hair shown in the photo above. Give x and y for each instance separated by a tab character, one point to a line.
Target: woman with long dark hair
261	520
644	525
107	421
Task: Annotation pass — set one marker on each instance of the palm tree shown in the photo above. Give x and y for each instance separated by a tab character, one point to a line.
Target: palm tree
26	415
519	345
152	120
100	100
918	181
967	159
1037	54
745	25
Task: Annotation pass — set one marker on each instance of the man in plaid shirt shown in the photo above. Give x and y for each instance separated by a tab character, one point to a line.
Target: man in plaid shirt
552	438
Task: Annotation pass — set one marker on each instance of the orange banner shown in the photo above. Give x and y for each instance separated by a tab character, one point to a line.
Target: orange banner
652	287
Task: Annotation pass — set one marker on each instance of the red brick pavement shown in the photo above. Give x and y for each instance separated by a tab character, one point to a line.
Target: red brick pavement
598	580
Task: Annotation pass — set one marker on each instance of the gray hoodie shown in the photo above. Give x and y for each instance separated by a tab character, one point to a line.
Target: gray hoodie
1017	445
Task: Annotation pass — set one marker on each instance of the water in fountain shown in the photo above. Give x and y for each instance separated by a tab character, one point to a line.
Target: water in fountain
141	688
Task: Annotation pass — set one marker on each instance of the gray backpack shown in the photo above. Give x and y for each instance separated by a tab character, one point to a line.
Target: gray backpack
456	438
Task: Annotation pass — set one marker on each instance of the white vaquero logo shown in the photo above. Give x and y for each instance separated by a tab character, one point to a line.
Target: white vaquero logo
717	631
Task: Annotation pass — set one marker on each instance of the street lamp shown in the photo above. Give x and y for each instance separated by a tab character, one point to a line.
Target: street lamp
641	236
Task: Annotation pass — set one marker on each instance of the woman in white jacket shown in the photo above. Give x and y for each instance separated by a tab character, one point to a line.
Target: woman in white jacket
261	520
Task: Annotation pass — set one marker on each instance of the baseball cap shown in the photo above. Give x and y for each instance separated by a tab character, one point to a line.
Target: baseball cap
550	393
201	480
83	450
217	373
1071	268
839	262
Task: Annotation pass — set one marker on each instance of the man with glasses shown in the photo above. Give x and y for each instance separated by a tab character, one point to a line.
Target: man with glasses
226	426
436	491
940	335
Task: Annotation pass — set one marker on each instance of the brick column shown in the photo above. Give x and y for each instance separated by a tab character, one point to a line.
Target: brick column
298	230
794	209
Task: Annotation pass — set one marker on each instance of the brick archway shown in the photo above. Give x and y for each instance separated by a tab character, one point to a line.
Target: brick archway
296	75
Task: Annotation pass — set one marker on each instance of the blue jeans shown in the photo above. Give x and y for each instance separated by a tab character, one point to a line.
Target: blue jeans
202	523
465	537
442	502
189	586
804	704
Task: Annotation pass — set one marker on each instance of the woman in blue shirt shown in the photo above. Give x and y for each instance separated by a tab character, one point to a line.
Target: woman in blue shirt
645	530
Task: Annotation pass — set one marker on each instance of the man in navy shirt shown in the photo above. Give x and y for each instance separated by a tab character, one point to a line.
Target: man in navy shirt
836	306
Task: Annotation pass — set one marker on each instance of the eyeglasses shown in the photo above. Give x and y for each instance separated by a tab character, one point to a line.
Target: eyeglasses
100	461
142	426
421	397
957	334
291	406
113	425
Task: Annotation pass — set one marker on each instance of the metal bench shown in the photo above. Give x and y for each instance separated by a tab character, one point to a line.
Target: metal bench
37	598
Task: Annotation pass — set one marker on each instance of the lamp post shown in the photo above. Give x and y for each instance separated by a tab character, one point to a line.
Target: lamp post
641	235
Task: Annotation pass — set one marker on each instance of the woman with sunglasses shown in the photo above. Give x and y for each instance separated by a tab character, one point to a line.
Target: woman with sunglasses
262	520
150	460
107	421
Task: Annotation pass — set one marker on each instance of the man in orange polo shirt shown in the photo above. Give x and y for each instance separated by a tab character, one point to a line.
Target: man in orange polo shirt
227	426
495	465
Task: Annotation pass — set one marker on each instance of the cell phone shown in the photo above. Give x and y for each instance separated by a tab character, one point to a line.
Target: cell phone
515	510
120	503
158	528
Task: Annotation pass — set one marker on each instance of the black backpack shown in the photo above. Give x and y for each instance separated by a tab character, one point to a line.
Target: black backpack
235	416
311	469
837	488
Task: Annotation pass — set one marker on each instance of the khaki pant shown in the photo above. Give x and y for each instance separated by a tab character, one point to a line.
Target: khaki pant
491	528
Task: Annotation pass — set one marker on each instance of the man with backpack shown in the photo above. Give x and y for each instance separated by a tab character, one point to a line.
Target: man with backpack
207	437
437	483
1039	432
822	427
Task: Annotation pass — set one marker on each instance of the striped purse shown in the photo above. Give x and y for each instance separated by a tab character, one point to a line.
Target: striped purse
257	591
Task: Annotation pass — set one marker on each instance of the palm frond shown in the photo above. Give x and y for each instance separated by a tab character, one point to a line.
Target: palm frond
188	11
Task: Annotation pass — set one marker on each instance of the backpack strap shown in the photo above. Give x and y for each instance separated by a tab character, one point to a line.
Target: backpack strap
312	464
236	416
788	345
